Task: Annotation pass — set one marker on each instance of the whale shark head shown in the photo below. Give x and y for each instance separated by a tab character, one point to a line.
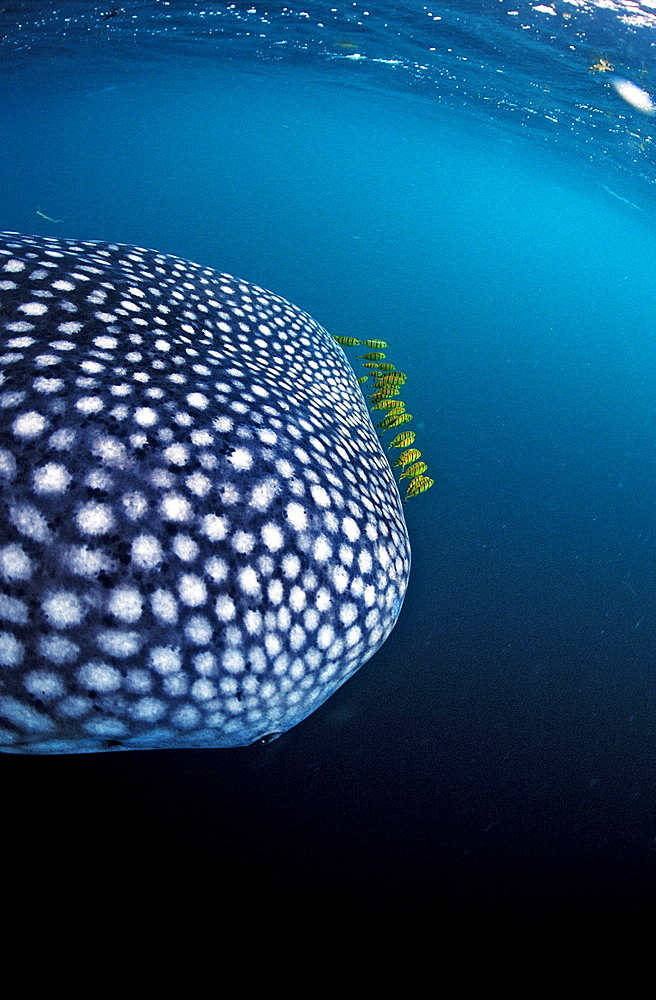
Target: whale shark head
200	536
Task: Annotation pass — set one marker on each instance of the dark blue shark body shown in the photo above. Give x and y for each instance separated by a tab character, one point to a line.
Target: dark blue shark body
200	536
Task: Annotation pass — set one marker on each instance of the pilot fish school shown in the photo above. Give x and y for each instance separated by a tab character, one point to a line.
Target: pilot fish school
387	385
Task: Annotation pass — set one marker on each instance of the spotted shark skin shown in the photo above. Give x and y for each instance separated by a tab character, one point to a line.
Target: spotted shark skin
201	538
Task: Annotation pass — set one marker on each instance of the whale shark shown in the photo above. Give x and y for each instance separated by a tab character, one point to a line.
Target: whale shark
201	537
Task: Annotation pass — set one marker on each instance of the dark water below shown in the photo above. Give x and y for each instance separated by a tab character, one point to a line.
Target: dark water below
495	764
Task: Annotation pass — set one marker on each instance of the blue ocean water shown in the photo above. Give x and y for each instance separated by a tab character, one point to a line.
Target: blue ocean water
461	180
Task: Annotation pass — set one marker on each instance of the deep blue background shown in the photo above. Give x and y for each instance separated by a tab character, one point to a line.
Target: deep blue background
494	764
